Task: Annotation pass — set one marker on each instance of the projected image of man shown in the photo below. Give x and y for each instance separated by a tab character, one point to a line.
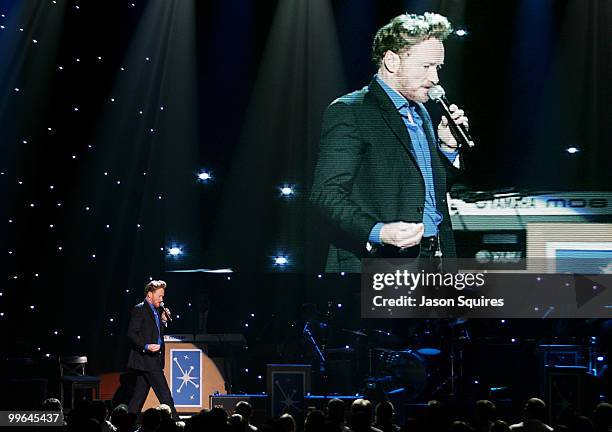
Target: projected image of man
383	172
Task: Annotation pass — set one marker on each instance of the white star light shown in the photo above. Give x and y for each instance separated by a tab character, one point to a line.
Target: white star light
185	377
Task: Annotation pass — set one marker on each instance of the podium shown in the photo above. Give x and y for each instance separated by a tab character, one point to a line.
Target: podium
191	375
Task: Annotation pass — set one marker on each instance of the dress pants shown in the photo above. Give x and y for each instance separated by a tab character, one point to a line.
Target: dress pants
151	379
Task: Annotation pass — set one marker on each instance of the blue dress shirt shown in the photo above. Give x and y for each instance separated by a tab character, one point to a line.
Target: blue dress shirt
431	216
157	322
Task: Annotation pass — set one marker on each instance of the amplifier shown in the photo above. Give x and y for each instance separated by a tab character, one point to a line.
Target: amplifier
493	249
570	388
563	355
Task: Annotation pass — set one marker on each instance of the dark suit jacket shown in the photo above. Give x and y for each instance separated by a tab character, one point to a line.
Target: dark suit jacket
142	330
367	173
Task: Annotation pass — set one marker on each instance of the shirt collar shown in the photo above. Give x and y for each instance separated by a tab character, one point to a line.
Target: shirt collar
398	100
150	305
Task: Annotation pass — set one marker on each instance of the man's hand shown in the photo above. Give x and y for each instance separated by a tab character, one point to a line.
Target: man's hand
449	143
402	234
164	317
153	347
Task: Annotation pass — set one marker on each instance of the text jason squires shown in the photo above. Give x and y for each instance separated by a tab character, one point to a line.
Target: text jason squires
461	301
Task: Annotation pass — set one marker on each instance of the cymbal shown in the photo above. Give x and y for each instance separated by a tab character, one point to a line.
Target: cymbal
383	350
384	337
355	332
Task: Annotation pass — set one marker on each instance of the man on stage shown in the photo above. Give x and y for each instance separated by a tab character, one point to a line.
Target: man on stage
382	174
146	333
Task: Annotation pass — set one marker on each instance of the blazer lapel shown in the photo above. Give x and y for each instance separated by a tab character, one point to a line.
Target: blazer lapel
147	306
392	118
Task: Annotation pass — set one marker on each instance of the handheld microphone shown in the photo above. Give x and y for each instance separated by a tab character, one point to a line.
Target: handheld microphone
459	131
166	311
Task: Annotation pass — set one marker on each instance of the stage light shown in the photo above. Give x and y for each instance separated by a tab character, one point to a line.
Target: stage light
281	260
339	305
286	191
572	150
513	340
461	32
175	251
600	358
204	176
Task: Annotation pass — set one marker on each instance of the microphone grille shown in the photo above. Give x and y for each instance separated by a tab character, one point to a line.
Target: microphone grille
436	92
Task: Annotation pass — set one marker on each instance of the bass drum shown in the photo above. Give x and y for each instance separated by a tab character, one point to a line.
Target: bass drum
407	370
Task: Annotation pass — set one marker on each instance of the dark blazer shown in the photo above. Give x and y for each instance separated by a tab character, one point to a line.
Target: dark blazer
367	173
142	330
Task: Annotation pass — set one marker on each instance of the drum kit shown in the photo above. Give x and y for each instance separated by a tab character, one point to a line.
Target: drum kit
426	363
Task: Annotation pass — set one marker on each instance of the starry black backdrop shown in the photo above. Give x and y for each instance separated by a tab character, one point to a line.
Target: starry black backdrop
111	109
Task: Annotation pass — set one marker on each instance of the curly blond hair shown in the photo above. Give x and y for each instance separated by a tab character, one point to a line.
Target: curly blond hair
154	285
407	30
